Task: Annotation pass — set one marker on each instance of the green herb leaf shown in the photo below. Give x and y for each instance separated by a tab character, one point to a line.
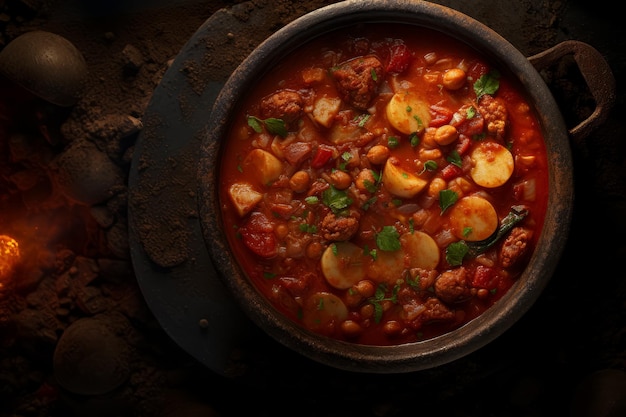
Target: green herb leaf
429	165
312	199
362	119
414	282
454	158
368	203
273	125
487	84
307	228
447	198
336	200
455	252
276	126
388	239
255	123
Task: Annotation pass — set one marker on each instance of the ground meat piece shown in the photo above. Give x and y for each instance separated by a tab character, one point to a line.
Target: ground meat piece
358	80
424	277
515	246
494	112
338	228
436	311
284	104
452	286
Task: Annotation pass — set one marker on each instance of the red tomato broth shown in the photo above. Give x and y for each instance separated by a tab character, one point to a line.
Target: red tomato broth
280	250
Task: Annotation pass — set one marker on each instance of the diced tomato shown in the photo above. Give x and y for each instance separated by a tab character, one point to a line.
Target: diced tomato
399	58
484	278
463	144
471	127
258	235
321	157
450	171
439	116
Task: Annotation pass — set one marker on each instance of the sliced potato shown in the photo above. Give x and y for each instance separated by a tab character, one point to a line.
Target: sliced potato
325	109
492	164
473	218
387	267
421	249
340	134
407	112
244	197
343	264
323	310
267	168
400	182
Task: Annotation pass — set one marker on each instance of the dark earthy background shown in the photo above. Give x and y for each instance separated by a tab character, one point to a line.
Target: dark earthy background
566	357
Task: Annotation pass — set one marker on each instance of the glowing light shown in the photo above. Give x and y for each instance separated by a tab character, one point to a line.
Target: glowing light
9	257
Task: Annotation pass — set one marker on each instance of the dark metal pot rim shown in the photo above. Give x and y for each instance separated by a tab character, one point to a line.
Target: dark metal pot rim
492	323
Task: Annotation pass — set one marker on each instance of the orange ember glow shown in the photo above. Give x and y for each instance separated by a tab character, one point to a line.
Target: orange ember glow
9	257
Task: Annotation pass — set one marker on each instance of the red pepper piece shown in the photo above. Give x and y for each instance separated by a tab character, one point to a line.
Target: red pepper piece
399	59
321	157
484	278
450	171
258	235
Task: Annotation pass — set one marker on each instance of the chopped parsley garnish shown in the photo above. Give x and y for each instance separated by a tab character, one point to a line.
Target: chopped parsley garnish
273	125
393	142
388	239
362	119
379	297
336	200
307	228
312	199
487	84
420	124
455	252
447	198
454	158
368	203
414	139
413	282
345	157
429	165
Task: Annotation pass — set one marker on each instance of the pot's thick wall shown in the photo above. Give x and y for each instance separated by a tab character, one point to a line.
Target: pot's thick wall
496	320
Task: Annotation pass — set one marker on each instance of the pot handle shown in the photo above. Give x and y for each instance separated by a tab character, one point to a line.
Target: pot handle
597	74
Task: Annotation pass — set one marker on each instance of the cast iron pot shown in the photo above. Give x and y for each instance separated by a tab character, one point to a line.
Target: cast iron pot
500	317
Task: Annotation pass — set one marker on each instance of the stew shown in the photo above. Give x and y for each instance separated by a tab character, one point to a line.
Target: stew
384	184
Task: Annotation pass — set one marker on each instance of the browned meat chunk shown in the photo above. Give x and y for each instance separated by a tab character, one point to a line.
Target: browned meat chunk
452	286
424	277
338	228
297	152
494	112
436	311
358	80
514	246
284	104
